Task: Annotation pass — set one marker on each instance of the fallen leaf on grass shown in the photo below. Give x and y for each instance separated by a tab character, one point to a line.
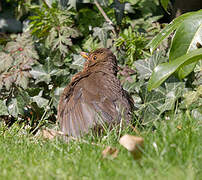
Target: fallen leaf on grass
110	151
133	144
51	134
179	127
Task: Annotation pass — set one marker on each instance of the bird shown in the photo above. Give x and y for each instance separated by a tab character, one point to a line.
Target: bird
94	96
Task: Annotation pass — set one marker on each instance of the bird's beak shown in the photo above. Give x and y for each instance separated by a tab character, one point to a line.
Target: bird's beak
84	54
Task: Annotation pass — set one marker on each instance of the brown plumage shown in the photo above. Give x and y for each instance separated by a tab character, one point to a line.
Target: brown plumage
93	96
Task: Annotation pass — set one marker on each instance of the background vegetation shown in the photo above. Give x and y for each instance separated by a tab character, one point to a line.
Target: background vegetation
160	66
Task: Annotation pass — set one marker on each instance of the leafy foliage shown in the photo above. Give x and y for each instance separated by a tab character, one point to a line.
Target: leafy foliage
132	43
35	68
183	51
16	61
165	4
53	26
163	71
153	105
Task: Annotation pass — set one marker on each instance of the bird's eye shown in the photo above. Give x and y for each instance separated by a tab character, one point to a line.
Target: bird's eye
94	57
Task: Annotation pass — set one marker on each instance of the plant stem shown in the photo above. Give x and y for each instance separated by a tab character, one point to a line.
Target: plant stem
105	16
103	13
42	118
44	1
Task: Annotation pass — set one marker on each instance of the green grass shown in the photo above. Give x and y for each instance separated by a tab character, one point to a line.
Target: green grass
169	153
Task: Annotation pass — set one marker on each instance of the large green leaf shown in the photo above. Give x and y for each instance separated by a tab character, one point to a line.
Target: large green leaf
154	43
163	71
187	35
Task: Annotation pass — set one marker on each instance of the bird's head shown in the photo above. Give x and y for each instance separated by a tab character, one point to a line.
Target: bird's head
99	55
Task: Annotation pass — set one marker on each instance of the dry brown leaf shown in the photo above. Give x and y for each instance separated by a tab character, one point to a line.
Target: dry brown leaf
110	151
50	134
179	127
133	144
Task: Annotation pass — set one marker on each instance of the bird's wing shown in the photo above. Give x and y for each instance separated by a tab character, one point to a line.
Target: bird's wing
82	104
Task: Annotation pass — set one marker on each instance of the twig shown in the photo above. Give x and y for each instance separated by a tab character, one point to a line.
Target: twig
42	118
44	1
103	13
105	16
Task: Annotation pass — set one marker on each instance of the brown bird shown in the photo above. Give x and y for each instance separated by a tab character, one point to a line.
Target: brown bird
94	96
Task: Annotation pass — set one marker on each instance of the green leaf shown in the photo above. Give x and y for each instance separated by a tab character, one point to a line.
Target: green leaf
43	72
120	8
49	2
193	99
187	35
197	113
78	62
8	81
145	67
101	33
22	79
91	44
190	97
3	108
154	43
199	91
148	111
174	90
164	3
23	41
198	74
5	61
40	74
159	100
40	101
52	35
72	3
128	7
55	95
16	106
163	71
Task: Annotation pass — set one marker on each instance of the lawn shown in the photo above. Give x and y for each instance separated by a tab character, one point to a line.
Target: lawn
172	150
